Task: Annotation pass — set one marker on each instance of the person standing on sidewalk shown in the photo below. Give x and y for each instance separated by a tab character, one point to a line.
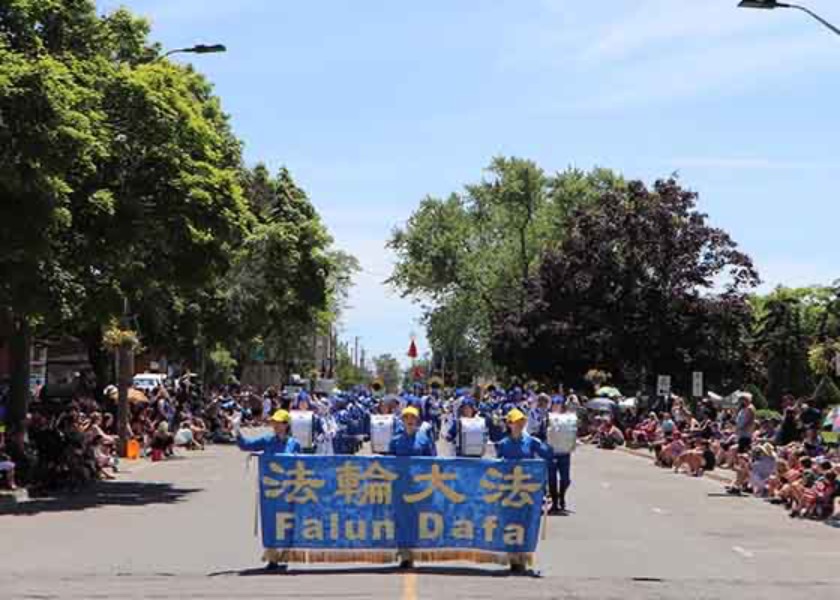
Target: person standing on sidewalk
745	423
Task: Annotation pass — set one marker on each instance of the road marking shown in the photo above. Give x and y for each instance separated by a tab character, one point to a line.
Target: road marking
409	586
658	510
743	552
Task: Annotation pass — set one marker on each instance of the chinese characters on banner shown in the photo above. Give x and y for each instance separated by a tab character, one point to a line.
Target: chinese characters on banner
381	503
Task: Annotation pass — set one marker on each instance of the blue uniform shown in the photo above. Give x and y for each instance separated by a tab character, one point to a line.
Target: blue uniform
525	447
418	444
269	443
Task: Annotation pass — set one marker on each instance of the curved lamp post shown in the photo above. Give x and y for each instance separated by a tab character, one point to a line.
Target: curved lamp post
770	4
198	49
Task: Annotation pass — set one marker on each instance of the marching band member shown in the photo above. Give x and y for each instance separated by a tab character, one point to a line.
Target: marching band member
538	417
411	442
306	426
277	442
384	425
561	436
457	432
518	444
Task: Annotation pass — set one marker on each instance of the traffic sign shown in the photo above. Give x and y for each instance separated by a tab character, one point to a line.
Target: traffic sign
663	385
697	384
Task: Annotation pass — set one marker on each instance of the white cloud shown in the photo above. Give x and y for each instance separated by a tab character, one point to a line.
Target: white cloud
753	164
660	51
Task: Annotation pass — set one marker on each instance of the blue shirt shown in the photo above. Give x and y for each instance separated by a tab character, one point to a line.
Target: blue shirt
525	447
417	444
269	443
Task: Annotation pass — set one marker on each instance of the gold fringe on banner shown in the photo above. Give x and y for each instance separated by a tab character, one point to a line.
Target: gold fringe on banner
385	557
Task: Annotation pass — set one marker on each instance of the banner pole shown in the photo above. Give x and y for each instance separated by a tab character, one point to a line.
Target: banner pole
257	501
544	532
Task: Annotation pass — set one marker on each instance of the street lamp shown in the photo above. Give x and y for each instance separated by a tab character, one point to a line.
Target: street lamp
770	4
198	49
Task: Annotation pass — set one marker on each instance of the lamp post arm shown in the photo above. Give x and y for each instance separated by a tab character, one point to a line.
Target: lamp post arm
808	11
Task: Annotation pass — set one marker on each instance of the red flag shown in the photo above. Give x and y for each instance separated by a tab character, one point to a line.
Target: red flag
412	350
418	373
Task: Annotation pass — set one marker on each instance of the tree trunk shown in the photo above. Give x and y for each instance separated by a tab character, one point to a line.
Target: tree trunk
126	374
19	349
100	359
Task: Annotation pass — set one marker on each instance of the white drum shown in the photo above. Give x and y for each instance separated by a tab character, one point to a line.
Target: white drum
562	432
303	428
381	432
473	432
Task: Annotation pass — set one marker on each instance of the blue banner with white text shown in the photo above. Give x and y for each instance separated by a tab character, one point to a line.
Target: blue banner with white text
370	503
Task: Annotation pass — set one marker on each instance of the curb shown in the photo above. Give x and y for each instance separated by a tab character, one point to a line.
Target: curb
648	456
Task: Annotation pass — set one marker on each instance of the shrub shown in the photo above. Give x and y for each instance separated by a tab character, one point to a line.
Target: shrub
759	401
827	393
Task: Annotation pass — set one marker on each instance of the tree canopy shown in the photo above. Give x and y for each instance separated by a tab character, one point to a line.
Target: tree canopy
123	182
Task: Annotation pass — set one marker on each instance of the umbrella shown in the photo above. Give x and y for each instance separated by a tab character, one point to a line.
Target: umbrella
601	404
135	396
627	403
609	392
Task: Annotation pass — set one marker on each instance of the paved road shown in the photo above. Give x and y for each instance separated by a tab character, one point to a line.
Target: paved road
184	528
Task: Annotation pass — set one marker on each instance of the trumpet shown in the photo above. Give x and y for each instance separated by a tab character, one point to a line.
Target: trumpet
377	385
435	382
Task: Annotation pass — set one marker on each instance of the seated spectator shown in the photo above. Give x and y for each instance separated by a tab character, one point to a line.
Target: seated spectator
809	416
668	426
817	501
103	458
761	469
609	436
162	441
7	467
799	478
672	450
696	460
777	480
813	443
94	429
645	432
788	431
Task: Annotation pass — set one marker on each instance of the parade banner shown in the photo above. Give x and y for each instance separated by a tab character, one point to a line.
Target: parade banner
365	508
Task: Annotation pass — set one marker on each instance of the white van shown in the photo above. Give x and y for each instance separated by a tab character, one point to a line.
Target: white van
146	382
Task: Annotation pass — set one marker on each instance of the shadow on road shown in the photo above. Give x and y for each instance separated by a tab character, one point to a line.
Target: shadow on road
103	493
375	570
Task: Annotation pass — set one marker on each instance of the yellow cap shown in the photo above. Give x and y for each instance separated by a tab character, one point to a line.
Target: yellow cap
281	416
410	410
515	416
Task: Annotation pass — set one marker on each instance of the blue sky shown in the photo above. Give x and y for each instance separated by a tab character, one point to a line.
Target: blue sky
374	104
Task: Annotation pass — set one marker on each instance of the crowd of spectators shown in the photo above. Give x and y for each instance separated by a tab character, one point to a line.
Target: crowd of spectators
71	441
782	458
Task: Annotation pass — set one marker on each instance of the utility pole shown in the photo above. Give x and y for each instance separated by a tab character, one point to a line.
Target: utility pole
356	353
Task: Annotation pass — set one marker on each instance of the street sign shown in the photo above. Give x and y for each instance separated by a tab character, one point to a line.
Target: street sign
697	384
663	385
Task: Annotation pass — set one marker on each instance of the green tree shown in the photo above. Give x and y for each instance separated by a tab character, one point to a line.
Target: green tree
286	283
783	344
630	289
389	370
468	257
